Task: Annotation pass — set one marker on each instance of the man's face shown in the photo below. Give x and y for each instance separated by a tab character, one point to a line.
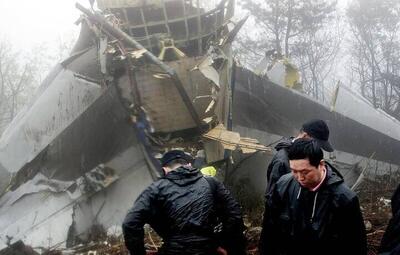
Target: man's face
306	174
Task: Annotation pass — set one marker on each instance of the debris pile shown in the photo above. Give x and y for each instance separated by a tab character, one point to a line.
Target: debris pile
375	197
376	215
375	219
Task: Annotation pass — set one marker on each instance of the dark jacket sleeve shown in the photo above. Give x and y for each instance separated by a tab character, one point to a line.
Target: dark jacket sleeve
391	238
354	233
278	169
134	221
230	215
269	239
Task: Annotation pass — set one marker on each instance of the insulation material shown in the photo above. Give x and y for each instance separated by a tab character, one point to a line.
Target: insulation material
138	53
232	140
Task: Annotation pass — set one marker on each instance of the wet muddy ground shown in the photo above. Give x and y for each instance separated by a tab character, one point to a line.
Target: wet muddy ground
375	204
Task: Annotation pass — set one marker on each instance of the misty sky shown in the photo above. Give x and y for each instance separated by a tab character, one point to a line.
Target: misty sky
27	23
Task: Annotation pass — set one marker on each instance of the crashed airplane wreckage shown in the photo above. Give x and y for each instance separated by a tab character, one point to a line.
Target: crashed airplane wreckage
156	77
143	78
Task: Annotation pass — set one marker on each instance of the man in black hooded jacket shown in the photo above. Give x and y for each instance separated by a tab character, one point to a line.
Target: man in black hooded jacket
311	211
183	208
391	239
279	166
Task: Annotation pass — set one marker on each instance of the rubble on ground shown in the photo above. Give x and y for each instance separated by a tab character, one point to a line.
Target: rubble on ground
374	201
374	198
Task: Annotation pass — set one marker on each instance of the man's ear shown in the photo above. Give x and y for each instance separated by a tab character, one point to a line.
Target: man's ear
302	135
165	170
321	163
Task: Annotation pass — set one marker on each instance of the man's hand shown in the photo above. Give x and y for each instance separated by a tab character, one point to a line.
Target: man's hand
221	251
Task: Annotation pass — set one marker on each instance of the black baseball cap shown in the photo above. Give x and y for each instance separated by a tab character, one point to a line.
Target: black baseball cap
175	154
319	131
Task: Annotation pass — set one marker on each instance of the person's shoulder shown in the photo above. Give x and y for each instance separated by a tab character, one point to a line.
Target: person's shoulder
156	189
214	182
157	185
280	159
344	194
160	183
286	178
284	182
282	155
211	178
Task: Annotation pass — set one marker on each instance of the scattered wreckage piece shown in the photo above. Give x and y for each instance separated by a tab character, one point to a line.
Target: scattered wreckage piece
219	139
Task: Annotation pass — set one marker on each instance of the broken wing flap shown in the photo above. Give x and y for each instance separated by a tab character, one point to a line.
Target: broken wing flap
219	139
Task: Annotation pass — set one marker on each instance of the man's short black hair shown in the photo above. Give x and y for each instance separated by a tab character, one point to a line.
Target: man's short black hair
306	149
174	162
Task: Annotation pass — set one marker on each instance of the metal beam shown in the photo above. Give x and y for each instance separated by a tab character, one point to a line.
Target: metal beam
121	35
166	19
145	27
186	21
200	41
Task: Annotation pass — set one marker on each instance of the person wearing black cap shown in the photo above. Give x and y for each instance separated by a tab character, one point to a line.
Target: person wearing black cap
310	210
183	207
314	129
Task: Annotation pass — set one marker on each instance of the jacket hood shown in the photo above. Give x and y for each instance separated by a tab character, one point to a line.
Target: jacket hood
184	175
334	176
284	143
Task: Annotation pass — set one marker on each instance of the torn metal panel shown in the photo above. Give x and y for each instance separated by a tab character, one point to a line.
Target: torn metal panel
36	127
34	217
352	105
230	37
207	69
39	183
103	46
43	219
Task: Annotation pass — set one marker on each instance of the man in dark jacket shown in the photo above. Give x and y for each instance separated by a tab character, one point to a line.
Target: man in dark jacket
391	239
311	210
183	208
279	166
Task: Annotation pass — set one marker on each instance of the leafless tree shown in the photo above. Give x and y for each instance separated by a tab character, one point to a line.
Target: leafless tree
22	72
375	28
16	78
303	30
